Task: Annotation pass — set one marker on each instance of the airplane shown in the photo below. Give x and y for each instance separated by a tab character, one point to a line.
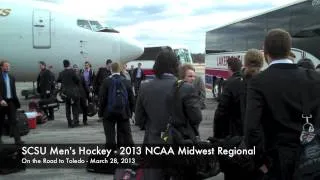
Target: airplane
33	31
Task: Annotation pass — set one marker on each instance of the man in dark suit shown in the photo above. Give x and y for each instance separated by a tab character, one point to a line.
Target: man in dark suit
131	72
124	136
152	110
273	120
102	74
228	109
88	75
9	102
45	85
83	95
70	87
228	119
138	76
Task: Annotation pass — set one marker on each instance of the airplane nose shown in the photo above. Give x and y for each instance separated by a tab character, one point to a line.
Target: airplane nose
130	49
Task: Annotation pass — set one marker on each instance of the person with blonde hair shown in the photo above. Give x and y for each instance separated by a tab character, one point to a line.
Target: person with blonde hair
188	74
125	73
253	62
116	102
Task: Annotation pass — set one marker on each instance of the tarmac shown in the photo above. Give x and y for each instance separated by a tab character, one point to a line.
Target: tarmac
57	132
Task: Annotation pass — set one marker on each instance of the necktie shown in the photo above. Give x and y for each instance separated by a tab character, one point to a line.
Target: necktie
8	89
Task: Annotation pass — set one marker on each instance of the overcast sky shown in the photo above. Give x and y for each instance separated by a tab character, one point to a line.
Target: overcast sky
169	22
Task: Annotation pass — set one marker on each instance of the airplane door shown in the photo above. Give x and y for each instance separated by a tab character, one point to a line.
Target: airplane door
84	49
41	29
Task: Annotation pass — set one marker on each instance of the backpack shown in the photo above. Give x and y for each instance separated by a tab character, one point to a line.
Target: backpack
117	96
173	133
308	164
177	134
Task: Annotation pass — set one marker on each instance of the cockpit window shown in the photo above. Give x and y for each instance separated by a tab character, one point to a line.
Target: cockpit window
96	26
84	24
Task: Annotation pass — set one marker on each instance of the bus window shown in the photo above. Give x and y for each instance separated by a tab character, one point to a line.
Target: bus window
84	24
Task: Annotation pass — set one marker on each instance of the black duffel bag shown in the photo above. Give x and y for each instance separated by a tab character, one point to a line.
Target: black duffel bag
207	166
92	109
92	105
49	103
237	162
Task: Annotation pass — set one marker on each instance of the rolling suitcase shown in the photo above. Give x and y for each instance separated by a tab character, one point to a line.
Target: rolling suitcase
22	124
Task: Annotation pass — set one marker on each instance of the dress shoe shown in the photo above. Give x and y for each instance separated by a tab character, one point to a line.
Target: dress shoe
50	118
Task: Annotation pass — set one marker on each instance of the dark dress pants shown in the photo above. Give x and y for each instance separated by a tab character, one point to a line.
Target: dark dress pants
75	105
124	136
48	111
10	111
84	108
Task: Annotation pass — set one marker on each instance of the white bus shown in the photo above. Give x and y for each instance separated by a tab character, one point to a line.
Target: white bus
236	38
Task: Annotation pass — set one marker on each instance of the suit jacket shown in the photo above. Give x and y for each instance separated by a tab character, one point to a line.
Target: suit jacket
185	108
227	118
135	74
131	73
200	90
152	111
103	97
45	82
274	107
92	77
70	83
3	90
82	86
102	74
126	75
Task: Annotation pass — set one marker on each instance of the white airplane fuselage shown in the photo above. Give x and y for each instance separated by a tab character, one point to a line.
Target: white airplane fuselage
31	33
